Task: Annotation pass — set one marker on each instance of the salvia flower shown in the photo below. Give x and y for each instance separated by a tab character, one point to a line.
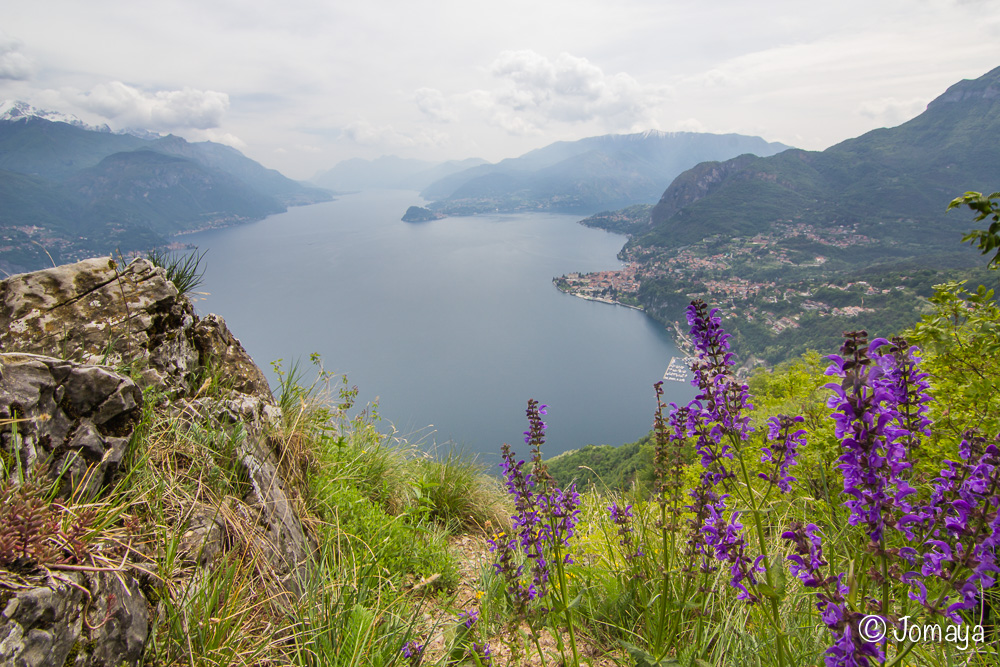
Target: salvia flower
875	462
483	653
908	383
725	537
534	437
468	618
960	529
413	652
527	520
698	552
784	451
850	648
807	560
544	520
562	510
622	517
725	400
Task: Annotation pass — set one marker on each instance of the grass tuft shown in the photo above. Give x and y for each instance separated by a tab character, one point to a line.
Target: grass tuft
186	272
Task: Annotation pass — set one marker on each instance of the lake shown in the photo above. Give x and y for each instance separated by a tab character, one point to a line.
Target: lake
450	325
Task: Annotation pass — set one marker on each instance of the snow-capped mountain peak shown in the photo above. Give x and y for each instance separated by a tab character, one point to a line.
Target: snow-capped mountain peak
15	110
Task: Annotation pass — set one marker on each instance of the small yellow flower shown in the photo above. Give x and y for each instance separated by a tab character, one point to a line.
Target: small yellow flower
479	595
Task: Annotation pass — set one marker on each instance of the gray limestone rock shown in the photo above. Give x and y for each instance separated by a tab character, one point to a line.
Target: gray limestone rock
281	536
97	312
78	414
219	347
75	418
82	619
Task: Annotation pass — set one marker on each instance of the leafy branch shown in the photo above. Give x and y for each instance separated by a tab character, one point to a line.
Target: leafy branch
987	240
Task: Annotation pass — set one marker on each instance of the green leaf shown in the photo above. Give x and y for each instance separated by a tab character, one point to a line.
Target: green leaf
767	591
644	659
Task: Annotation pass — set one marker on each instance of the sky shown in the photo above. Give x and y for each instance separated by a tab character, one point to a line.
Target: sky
302	85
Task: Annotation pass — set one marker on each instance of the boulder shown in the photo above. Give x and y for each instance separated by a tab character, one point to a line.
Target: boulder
97	312
84	619
76	419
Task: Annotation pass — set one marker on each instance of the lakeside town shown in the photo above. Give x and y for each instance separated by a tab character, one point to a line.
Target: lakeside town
767	278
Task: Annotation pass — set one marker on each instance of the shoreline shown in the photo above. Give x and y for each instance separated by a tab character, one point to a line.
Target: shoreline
610	302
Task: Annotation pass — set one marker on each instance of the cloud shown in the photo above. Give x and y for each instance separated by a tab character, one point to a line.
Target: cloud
890	111
227	138
432	103
537	90
187	108
689	125
13	64
366	133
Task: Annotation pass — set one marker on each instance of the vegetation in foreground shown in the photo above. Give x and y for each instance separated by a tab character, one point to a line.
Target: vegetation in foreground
846	516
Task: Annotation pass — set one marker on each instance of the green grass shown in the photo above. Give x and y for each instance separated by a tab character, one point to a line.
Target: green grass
186	272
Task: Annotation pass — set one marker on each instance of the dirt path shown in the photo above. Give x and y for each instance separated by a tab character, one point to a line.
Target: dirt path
472	556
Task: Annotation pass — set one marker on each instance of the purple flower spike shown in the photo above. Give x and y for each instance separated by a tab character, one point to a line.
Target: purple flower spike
875	463
808	557
784	451
725	401
543	523
413	652
622	517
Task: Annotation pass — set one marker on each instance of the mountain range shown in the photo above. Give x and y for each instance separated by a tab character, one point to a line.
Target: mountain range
69	190
897	180
587	175
804	245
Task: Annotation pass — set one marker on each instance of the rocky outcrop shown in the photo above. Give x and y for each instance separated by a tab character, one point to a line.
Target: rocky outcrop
217	346
695	184
279	535
275	531
79	345
75	419
97	312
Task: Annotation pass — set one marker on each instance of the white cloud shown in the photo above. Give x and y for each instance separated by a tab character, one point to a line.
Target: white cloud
890	111
13	64
537	90
227	138
689	125
368	134
160	110
432	103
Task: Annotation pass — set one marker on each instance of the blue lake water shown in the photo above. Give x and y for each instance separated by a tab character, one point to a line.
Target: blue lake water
451	325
